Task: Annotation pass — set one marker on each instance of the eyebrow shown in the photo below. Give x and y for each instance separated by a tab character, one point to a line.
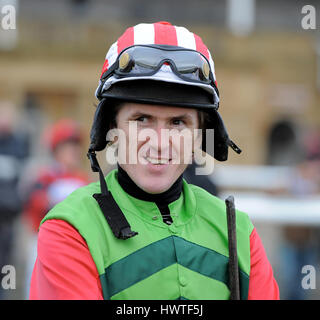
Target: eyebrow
184	116
139	114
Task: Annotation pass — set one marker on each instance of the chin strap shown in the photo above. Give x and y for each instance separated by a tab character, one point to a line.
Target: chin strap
109	207
234	147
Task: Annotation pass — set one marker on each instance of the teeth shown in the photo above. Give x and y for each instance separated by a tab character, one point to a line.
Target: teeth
157	161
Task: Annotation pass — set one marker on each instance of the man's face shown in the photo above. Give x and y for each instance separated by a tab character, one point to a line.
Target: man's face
160	147
68	155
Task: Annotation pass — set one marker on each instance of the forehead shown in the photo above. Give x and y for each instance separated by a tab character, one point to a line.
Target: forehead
159	111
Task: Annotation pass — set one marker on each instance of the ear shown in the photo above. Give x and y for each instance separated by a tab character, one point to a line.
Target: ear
112	138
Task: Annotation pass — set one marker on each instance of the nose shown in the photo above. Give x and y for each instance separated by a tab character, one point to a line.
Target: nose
160	144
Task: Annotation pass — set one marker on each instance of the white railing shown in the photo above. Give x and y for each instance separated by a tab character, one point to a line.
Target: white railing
255	189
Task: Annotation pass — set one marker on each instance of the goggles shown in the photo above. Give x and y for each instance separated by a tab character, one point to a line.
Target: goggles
146	60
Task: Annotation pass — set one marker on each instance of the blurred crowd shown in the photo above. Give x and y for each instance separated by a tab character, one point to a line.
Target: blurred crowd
301	245
27	195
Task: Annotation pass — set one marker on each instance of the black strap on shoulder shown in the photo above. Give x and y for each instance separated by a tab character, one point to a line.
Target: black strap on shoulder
109	207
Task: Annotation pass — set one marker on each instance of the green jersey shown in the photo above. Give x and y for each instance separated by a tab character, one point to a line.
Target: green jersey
185	260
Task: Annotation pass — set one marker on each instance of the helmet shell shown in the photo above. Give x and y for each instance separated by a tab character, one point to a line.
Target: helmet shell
161	88
62	131
159	33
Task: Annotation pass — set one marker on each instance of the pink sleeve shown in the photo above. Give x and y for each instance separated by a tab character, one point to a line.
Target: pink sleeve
262	285
64	269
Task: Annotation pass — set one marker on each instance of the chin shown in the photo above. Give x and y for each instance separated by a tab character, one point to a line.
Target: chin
153	181
155	186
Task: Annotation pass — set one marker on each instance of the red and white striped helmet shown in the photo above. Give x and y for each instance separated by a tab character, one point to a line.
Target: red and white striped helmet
114	88
159	33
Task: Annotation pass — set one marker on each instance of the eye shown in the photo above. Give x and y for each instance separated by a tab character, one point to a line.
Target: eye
142	119
178	122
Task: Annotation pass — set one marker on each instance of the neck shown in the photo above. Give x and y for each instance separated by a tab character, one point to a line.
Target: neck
161	199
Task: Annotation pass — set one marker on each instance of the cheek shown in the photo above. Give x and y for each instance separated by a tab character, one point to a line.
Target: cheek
197	140
183	145
122	143
130	149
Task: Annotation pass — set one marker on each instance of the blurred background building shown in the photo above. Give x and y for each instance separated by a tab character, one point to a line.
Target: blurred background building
268	73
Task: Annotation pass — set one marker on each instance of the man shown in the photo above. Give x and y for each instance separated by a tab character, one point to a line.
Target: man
54	182
143	232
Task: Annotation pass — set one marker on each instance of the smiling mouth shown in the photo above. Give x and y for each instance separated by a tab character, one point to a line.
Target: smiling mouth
158	161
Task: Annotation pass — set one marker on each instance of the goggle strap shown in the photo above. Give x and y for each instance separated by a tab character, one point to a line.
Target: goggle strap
108	72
